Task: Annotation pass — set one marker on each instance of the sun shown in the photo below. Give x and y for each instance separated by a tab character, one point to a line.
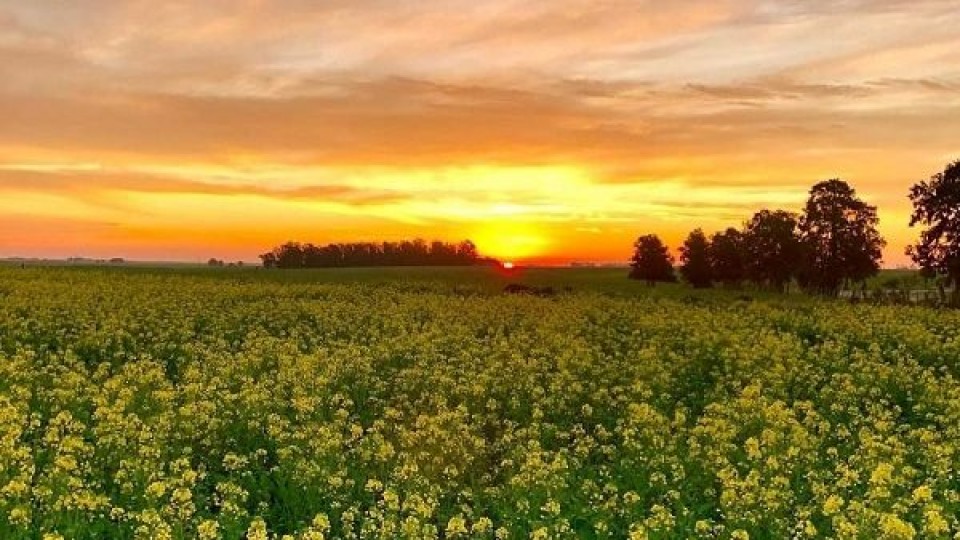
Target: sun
508	265
510	241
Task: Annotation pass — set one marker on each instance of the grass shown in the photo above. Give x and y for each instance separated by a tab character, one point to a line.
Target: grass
604	280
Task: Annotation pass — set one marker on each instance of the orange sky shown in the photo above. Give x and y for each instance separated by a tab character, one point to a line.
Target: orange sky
545	130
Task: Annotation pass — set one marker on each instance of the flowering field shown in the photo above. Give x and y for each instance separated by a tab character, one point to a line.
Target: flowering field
178	405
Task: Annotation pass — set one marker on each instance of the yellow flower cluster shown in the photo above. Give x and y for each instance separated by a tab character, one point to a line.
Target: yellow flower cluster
185	404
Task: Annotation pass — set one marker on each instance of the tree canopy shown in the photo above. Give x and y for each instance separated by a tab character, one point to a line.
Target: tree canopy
772	248
839	238
695	260
651	261
936	207
727	257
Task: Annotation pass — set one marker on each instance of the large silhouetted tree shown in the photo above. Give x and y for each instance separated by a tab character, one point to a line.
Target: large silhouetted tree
727	257
772	248
839	237
695	260
651	261
936	206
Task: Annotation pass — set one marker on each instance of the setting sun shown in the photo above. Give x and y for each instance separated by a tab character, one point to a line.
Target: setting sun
511	241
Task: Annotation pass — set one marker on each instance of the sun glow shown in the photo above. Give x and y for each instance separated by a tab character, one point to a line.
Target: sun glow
511	241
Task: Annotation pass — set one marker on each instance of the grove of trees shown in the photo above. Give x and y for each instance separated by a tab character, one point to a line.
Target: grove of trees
406	253
833	243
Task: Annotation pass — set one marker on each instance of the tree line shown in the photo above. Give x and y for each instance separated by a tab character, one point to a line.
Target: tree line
833	243
405	253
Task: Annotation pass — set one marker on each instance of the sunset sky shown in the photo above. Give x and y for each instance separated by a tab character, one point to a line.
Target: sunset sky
545	130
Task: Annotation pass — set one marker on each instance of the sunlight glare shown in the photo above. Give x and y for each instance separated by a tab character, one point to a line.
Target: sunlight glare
511	241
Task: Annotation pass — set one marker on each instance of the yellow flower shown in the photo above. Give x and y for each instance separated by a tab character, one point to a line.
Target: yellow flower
832	505
551	507
456	526
257	530
543	534
19	516
882	474
922	494
638	532
934	523
752	447
321	522
156	490
482	525
894	528
208	530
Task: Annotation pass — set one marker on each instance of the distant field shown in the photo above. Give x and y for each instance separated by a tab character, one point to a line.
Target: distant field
605	280
425	403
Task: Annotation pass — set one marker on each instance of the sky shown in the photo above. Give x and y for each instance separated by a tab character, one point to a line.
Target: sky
547	131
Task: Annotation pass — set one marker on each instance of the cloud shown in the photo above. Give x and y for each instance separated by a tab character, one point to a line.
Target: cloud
380	106
41	179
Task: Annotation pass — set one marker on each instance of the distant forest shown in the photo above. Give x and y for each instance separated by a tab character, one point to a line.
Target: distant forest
405	253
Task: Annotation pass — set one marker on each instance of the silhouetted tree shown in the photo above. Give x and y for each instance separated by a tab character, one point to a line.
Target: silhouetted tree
467	251
936	206
269	260
651	261
727	257
695	260
839	238
406	253
290	255
772	248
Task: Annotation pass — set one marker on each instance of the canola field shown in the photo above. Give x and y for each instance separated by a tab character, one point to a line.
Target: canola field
176	405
